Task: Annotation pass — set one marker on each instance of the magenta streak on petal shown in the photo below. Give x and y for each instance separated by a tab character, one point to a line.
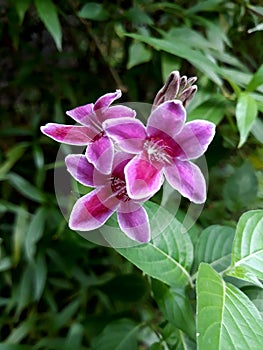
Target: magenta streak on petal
100	153
143	178
82	114
116	112
80	169
188	179
106	100
69	134
92	210
135	224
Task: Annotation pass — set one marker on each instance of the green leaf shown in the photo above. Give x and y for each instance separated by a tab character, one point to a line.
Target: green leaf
257	130
65	315
168	257
176	339
20	229
212	110
5	346
247	251
214	247
226	318
35	232
241	188
257	9
118	335
256	80
181	49
94	11
175	305
138	54
74	337
21	8
12	156
47	12
246	113
25	188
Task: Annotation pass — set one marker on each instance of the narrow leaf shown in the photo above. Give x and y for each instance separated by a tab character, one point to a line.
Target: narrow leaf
94	11
246	113
247	251
256	80
47	12
138	54
226	318
21	8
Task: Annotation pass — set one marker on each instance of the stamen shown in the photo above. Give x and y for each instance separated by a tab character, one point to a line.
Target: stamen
157	151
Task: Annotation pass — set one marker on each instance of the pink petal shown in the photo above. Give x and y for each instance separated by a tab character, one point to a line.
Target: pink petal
70	134
194	138
100	153
134	222
83	171
187	179
106	100
82	114
119	163
129	133
117	112
92	210
143	178
169	118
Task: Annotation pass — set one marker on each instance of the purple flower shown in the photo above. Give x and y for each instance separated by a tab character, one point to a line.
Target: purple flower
165	146
93	209
100	149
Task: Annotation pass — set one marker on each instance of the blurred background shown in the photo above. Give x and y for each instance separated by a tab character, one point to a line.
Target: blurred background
56	288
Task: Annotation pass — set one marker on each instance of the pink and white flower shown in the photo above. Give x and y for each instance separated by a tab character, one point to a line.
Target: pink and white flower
93	209
100	149
164	147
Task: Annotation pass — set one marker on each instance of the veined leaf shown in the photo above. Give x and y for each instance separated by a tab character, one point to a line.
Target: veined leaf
226	318
48	14
246	113
214	247
176	307
247	251
118	335
168	257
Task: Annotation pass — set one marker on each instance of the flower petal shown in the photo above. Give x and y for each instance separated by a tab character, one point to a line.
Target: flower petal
106	100
194	138
92	210
188	179
129	133
143	178
169	117
100	153
82	114
84	172
117	112
134	222
70	134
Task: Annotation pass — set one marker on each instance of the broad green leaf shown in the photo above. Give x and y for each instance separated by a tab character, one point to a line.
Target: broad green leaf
247	251
48	14
21	8
246	113
176	339
118	335
256	80
257	130
226	318
138	54
257	9
74	337
5	263
181	49
241	188
205	5
214	247
94	11
25	188
35	232
168	256
175	305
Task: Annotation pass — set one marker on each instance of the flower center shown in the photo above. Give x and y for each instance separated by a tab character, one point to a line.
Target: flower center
157	151
118	187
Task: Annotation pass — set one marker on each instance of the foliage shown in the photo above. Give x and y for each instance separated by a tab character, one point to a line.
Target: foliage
200	289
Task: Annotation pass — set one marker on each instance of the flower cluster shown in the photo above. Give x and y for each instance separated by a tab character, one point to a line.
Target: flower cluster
126	162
